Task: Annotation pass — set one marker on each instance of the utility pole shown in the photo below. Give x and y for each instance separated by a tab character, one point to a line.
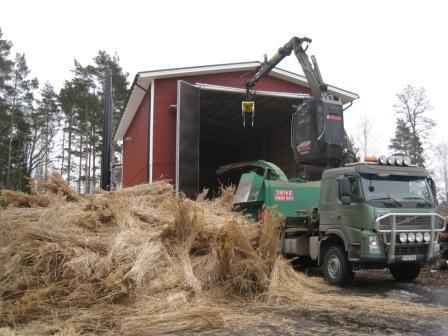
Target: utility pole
107	134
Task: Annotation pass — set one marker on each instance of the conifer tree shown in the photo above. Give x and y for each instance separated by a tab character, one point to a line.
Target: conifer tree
50	113
20	108
33	127
6	65
413	126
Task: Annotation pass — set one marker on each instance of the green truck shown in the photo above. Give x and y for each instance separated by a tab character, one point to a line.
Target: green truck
365	215
376	214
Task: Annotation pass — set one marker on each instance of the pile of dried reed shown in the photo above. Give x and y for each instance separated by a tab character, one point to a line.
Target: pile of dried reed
135	261
140	261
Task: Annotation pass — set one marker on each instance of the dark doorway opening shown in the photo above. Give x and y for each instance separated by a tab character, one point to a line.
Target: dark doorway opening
223	139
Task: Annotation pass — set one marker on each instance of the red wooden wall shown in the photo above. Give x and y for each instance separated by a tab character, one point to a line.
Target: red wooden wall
165	94
135	147
135	144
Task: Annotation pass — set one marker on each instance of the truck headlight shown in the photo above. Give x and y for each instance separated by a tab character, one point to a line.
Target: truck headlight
374	244
411	237
427	236
403	237
419	237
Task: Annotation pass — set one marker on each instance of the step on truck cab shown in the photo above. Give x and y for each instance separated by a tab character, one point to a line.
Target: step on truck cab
363	215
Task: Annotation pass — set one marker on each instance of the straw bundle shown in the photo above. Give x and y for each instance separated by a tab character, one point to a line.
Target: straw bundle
21	199
141	261
78	262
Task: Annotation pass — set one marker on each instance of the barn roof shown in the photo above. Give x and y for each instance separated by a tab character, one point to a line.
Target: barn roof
142	82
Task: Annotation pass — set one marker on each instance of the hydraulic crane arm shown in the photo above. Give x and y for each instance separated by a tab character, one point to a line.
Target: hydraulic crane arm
317	125
310	69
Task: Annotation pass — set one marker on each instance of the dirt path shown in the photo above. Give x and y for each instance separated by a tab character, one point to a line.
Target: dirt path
429	289
296	321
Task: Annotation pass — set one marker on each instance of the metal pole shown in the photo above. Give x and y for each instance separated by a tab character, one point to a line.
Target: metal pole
107	134
392	239
431	242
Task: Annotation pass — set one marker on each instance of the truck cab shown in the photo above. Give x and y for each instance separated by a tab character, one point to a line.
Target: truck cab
376	216
362	215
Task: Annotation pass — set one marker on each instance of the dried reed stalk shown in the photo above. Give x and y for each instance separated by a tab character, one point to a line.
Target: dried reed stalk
21	199
142	261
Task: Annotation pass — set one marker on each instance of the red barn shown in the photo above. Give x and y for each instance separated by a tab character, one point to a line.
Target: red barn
182	124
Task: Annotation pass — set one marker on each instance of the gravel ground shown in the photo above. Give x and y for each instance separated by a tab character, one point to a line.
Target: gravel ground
427	277
430	288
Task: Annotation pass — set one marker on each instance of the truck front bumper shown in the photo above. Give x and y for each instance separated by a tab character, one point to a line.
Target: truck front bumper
392	224
380	261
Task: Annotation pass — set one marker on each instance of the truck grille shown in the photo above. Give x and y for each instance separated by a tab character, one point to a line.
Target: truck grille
410	222
405	249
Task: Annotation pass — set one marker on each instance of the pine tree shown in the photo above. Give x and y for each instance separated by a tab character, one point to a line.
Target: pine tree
350	153
94	75
5	66
103	62
49	112
20	108
67	98
412	125
20	126
81	101
78	103
403	138
5	75
406	144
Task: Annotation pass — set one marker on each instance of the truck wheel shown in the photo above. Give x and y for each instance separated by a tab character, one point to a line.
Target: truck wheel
405	272
336	267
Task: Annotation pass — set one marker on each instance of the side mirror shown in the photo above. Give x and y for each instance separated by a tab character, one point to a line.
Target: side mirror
432	185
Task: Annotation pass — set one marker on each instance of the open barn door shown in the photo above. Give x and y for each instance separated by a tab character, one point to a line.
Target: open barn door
187	139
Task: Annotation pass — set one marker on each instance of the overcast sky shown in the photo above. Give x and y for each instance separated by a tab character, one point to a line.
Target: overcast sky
372	48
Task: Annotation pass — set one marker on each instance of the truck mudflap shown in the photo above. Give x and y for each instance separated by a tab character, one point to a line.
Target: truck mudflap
392	224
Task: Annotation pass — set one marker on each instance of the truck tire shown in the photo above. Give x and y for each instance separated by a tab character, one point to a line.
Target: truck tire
405	272
336	267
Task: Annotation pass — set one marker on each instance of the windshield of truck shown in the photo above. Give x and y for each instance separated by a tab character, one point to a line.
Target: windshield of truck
397	191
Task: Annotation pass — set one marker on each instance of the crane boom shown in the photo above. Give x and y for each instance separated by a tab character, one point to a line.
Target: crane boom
317	124
310	69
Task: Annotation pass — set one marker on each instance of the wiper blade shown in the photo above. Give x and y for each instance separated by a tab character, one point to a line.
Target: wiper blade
387	198
421	198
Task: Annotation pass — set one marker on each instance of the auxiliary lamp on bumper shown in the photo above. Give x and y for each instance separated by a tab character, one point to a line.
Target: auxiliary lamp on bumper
412	237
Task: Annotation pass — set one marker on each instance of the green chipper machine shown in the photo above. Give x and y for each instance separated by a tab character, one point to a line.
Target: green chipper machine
380	213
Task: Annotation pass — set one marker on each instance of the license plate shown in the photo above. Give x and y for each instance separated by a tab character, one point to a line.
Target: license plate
409	257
